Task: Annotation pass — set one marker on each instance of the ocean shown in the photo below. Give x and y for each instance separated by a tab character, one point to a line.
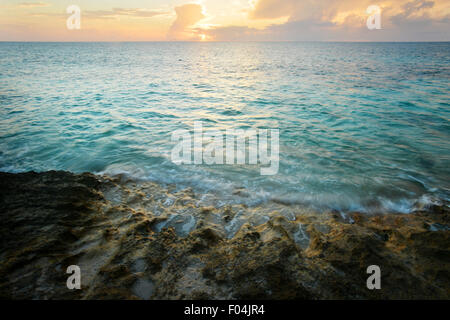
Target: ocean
362	126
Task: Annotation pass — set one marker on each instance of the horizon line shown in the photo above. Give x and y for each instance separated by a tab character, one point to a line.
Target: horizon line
224	41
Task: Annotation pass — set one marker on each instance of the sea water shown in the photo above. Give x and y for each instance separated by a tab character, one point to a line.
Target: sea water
362	126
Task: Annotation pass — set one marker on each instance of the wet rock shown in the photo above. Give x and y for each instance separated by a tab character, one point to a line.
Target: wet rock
130	243
209	235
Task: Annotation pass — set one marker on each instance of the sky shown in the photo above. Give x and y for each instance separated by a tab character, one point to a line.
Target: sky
225	20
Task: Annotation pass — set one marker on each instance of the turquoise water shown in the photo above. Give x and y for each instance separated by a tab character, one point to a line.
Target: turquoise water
362	126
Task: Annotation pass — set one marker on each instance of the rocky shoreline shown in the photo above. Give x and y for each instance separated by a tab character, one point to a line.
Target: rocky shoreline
140	240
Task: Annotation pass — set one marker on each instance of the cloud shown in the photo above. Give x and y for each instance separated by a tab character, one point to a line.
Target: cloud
187	16
331	10
413	10
298	10
107	14
307	30
33	4
116	12
344	20
272	9
416	5
234	33
269	20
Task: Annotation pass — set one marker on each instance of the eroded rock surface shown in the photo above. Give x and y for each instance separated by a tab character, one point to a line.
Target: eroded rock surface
140	240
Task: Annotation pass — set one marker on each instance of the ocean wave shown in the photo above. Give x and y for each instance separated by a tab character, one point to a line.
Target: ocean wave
223	192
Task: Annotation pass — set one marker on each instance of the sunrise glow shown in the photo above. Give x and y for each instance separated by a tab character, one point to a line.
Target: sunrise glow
215	20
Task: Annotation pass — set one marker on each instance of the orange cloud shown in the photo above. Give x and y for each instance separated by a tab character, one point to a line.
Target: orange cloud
33	4
332	10
187	16
115	12
297	10
271	9
344	20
